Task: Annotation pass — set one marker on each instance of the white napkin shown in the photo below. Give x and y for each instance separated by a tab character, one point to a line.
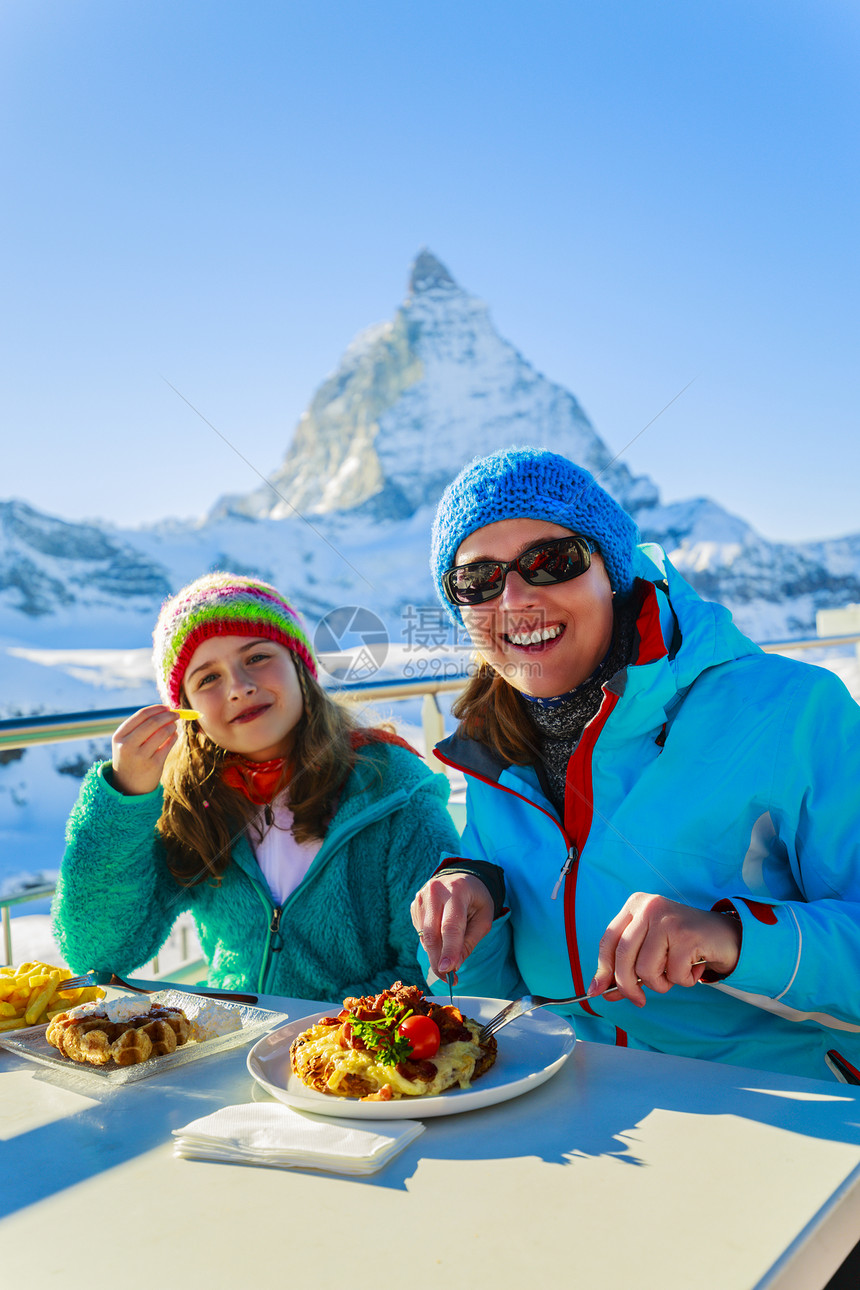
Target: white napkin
269	1133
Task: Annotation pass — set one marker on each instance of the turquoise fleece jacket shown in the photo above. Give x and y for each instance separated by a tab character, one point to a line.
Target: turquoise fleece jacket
715	775
345	930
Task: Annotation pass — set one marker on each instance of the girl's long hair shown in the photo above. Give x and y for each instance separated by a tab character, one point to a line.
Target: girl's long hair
202	816
490	712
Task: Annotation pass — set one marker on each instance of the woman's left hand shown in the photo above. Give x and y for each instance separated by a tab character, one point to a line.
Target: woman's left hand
658	943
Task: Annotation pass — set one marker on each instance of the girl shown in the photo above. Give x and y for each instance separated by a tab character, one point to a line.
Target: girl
648	793
294	836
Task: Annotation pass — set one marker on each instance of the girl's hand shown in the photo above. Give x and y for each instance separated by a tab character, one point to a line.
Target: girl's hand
139	749
659	942
451	913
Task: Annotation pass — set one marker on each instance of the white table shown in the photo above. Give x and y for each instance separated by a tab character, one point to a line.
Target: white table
626	1169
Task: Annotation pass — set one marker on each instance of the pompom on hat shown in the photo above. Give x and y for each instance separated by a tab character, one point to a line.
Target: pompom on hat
531	483
221	604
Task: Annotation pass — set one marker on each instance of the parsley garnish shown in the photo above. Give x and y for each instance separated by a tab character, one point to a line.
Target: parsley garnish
381	1037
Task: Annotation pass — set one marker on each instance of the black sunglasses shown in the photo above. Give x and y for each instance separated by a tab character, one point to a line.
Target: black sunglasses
558	560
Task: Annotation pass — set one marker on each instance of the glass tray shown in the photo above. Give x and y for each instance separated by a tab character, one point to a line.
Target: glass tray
32	1044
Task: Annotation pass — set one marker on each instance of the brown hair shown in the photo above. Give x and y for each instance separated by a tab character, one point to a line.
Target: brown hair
490	712
202	816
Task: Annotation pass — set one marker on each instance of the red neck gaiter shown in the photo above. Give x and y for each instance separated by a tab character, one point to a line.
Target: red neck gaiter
258	780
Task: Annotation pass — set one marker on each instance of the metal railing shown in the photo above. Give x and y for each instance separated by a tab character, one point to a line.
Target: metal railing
31	893
812	642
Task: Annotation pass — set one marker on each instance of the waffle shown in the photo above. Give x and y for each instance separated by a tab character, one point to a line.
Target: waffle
94	1038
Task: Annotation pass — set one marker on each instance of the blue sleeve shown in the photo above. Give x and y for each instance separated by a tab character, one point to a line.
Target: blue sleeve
803	954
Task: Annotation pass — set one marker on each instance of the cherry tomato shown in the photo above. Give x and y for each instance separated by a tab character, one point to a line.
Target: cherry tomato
423	1035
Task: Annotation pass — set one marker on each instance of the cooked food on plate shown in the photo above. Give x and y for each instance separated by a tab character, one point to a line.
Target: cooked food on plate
391	1045
127	1031
32	994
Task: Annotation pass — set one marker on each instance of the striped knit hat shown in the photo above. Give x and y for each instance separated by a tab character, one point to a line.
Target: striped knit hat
221	604
531	483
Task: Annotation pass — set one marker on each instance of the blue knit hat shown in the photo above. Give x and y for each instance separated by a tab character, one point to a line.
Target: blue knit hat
531	483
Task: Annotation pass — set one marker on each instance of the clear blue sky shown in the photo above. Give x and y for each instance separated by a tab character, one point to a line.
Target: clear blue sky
221	194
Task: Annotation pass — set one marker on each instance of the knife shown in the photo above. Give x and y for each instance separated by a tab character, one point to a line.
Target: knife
111	978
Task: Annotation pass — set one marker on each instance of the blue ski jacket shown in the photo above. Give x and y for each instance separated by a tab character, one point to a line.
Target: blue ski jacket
715	775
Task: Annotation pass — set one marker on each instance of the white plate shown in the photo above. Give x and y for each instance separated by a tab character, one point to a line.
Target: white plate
531	1050
32	1044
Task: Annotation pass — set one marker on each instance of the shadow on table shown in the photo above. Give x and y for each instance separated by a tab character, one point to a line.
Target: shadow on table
126	1121
604	1107
591	1108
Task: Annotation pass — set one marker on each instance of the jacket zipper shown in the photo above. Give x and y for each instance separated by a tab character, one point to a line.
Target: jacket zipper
275	912
572	857
275	948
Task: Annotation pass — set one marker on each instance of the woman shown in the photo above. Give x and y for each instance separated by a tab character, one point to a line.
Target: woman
295	837
652	801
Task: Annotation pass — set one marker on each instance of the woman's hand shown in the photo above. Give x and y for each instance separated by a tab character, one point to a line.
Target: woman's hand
661	942
139	749
451	913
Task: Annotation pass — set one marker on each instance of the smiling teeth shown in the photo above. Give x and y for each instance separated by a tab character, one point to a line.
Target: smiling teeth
533	638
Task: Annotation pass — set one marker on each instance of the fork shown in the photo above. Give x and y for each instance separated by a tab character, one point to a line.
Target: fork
110	978
529	1002
76	983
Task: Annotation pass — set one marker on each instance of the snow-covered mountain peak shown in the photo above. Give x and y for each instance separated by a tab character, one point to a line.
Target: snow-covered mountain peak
429	274
412	401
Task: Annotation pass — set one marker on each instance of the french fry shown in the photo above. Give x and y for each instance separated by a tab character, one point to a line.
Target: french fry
11	1023
32	993
39	1001
88	994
